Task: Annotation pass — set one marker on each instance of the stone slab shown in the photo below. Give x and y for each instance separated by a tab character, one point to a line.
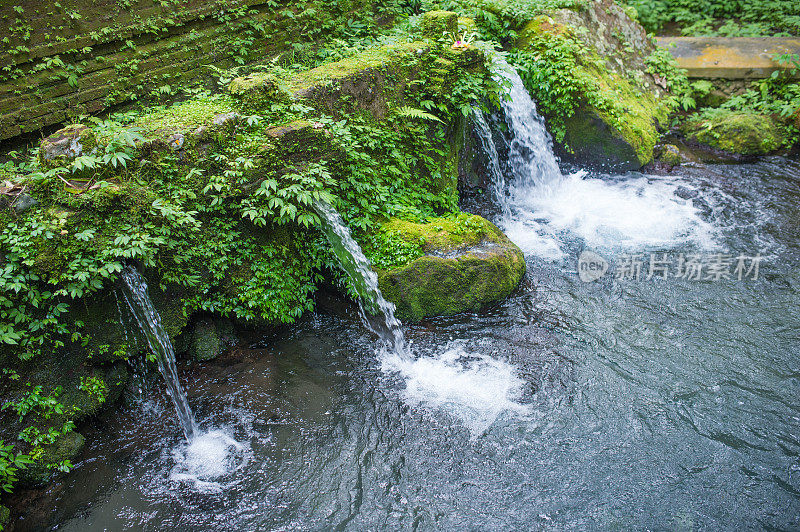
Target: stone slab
729	57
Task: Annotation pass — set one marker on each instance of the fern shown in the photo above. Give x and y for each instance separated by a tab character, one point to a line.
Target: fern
413	113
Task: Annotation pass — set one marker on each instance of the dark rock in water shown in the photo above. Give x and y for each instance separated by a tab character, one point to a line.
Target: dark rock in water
702	206
465	266
686	193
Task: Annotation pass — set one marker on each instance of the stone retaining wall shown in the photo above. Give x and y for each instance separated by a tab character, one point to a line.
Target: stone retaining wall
87	55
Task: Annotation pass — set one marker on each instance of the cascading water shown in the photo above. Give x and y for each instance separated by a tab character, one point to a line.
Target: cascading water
474	387
489	149
540	204
135	295
530	156
364	280
206	456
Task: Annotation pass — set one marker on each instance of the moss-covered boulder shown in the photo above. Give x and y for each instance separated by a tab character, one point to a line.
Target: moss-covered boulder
741	133
596	77
444	266
65	448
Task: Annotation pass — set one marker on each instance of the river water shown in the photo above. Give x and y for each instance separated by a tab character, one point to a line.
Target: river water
627	402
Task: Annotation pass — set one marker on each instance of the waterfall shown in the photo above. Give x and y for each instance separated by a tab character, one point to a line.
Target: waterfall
531	160
364	280
134	293
484	134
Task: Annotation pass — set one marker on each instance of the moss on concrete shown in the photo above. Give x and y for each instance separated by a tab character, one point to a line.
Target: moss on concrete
385	57
743	133
257	92
184	117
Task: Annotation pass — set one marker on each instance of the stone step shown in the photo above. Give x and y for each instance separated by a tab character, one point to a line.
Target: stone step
729	57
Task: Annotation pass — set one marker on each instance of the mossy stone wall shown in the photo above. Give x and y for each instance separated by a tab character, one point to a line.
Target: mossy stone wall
80	57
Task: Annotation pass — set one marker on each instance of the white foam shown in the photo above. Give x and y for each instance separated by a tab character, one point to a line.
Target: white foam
634	212
475	388
207	459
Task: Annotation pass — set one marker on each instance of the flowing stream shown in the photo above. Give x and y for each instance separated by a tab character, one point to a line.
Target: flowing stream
631	402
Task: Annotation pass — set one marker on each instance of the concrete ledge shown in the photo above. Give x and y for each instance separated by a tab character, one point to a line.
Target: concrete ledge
729	57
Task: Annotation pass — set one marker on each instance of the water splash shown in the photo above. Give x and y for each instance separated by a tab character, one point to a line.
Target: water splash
207	460
135	295
475	388
542	207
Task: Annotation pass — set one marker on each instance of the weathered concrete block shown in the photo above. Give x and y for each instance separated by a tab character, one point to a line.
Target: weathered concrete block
730	57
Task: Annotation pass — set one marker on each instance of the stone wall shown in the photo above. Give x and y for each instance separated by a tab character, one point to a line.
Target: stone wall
74	57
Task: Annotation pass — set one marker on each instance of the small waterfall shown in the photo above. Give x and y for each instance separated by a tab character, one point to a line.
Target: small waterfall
531	160
364	280
545	211
134	293
484	133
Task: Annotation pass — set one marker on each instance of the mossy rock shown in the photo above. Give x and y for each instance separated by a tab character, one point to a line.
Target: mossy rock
437	24
256	92
66	144
463	263
619	106
742	133
372	81
670	155
66	447
5	517
209	338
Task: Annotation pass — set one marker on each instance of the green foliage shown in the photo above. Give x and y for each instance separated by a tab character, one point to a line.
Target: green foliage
720	17
10	463
95	387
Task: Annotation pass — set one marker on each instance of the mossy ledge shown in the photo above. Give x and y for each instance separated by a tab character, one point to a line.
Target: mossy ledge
588	70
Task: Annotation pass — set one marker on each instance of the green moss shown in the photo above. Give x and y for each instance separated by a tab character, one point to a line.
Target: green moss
671	155
66	447
257	92
601	117
444	234
744	133
381	56
436	24
184	117
463	263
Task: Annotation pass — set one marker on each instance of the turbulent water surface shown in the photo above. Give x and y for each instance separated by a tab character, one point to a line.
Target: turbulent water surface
668	403
628	402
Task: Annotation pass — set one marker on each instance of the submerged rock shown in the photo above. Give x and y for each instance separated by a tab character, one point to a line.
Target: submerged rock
460	264
741	133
